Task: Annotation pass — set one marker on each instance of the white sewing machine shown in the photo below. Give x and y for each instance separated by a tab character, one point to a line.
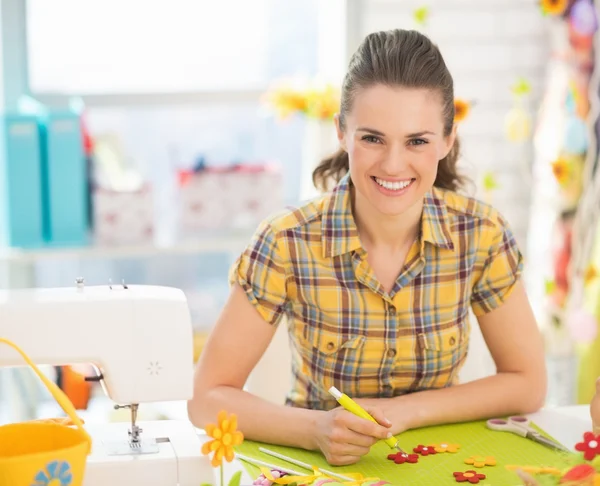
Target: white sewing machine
139	338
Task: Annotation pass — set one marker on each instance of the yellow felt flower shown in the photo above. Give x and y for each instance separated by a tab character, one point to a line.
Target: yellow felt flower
444	447
590	274
461	110
481	461
517	124
554	7
562	171
225	437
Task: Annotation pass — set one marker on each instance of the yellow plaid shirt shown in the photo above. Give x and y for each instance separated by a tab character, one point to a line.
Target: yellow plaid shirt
307	263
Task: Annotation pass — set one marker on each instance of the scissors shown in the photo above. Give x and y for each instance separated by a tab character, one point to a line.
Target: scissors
522	426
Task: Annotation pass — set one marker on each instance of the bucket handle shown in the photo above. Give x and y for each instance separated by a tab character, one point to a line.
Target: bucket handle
55	391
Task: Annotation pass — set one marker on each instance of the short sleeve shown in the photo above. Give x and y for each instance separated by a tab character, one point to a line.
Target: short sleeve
500	270
260	271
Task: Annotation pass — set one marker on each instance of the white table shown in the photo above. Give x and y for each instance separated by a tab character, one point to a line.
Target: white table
565	424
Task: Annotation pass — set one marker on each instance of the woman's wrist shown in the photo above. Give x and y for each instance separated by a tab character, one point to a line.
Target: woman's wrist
404	414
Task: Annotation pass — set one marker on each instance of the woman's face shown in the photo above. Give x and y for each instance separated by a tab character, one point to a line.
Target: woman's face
394	138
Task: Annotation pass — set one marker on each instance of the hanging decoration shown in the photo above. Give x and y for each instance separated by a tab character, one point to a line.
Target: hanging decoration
554	7
517	123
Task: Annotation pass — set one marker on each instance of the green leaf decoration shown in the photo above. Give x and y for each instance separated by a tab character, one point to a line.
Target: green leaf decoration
489	182
421	15
236	479
521	87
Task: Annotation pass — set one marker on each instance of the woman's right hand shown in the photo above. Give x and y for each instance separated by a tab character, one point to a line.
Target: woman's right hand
344	438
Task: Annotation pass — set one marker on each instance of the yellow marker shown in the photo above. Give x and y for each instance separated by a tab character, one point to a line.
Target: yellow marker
353	407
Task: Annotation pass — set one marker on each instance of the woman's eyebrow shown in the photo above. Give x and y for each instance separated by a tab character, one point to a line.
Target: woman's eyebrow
419	134
370	130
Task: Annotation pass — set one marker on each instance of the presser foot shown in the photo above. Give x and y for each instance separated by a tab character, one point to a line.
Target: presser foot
135	444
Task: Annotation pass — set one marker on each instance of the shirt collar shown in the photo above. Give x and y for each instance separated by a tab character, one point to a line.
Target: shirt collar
340	234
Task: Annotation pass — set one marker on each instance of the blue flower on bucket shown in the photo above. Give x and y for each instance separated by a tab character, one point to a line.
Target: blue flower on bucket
57	473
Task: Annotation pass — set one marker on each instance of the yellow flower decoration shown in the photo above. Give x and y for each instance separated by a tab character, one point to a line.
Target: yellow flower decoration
461	110
480	461
517	124
554	7
421	15
445	447
590	274
562	171
225	437
315	101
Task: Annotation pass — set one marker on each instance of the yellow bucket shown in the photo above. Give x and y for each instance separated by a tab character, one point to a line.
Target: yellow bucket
42	453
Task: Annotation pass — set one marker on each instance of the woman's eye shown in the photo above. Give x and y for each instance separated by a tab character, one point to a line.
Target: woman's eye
371	139
418	141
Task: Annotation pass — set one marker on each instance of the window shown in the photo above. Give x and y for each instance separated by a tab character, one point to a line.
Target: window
166	46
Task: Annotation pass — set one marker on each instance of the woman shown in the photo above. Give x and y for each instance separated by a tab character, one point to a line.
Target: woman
376	279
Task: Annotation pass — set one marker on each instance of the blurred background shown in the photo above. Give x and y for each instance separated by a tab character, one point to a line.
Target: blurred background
143	141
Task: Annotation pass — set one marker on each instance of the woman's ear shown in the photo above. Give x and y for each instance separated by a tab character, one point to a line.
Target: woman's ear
340	132
449	141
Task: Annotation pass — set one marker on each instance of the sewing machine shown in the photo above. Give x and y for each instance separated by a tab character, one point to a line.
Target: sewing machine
139	339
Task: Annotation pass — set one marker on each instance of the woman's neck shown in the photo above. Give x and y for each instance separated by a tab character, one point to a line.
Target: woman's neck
382	231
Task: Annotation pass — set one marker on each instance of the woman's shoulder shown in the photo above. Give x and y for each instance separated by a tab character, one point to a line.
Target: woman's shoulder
463	206
304	214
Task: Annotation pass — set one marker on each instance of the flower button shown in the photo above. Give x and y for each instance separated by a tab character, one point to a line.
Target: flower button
470	476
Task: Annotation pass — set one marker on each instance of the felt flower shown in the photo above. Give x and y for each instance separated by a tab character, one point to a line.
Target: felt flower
461	110
470	476
561	171
480	461
444	447
517	124
424	450
578	474
590	446
554	7
590	274
225	437
56	473
401	458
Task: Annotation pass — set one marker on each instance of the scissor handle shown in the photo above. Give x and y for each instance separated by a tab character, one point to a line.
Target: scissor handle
506	426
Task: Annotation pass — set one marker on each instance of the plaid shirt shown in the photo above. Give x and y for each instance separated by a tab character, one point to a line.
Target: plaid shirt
308	264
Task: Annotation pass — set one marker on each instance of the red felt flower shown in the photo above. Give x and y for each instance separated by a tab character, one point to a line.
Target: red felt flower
590	446
578	473
424	450
470	476
401	458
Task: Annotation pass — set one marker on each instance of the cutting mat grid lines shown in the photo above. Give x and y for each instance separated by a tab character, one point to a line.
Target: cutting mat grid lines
475	439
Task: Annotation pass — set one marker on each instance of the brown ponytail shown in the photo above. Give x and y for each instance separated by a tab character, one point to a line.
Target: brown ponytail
403	58
332	169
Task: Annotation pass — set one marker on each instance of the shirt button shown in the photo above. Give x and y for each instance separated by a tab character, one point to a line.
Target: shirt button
392	311
330	345
452	341
391	353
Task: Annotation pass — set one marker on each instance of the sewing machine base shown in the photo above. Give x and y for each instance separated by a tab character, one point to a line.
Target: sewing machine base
177	461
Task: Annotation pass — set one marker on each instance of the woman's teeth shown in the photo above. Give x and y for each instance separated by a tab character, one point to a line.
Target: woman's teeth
393	186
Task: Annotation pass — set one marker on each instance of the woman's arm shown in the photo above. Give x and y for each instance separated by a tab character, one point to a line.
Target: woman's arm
235	346
519	386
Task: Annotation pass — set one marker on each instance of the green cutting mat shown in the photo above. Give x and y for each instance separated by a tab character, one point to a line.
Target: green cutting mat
474	438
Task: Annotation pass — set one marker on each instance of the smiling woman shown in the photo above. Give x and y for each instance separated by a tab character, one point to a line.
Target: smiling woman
376	278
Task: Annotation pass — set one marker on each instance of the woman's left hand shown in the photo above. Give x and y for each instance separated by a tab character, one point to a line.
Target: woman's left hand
394	409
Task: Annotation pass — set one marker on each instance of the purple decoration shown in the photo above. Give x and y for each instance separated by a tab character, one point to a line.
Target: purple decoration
583	17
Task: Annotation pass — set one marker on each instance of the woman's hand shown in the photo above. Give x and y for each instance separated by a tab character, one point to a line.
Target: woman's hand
344	438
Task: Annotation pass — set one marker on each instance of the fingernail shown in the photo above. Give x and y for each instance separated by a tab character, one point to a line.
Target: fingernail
387	420
389	436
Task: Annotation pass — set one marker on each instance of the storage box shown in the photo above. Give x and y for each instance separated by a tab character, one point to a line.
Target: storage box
228	199
123	217
21	205
65	179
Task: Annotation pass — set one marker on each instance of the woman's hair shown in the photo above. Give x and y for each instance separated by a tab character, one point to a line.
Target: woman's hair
403	58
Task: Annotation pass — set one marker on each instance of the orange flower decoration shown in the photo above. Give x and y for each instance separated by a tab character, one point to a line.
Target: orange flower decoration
561	171
480	461
225	437
554	7
461	110
590	274
446	447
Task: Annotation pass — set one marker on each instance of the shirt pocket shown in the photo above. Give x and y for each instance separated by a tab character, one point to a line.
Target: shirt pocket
442	353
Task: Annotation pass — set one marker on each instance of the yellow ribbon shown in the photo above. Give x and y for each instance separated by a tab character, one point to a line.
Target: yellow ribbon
357	478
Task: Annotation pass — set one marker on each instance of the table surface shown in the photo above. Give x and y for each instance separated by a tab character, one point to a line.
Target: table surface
565	424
